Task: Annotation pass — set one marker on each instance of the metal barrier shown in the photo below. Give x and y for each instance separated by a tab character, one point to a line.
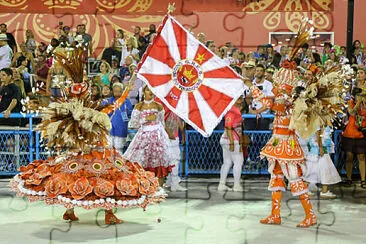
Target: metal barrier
20	145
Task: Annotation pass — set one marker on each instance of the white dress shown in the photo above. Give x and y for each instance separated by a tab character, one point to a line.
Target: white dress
150	145
321	169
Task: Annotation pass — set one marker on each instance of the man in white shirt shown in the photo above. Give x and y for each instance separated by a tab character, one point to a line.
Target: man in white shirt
257	107
6	53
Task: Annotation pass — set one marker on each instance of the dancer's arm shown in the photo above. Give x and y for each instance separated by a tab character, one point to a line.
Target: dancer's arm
117	104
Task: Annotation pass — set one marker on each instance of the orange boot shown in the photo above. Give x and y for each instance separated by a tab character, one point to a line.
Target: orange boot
70	215
110	218
310	218
275	217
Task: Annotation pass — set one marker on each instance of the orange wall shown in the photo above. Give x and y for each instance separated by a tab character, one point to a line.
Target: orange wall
244	29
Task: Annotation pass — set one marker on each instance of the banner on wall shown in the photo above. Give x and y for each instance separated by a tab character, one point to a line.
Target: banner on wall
188	78
157	7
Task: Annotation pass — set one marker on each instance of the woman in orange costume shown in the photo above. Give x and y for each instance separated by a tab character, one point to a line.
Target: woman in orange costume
283	151
353	139
84	172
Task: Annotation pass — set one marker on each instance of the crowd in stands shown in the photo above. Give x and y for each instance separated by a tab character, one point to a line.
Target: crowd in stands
33	70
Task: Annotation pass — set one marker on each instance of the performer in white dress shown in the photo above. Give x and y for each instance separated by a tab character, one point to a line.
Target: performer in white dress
150	145
320	167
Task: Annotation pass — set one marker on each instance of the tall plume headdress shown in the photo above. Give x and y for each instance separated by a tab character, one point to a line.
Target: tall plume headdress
74	122
285	76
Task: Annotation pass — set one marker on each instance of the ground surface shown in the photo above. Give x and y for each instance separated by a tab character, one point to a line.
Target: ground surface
201	215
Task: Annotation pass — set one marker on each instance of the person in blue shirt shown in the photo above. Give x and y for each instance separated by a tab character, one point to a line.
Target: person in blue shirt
119	118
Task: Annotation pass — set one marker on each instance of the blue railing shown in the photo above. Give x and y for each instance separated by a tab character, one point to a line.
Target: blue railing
21	145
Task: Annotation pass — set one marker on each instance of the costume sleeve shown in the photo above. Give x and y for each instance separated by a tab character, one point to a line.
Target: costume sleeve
135	122
117	104
259	96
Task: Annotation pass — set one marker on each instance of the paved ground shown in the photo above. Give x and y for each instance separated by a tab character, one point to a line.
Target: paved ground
201	215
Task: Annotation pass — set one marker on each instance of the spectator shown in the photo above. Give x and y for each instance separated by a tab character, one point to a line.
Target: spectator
56	80
10	96
42	72
257	107
119	118
10	38
130	49
30	42
87	38
211	45
25	88
27	54
115	66
152	31
124	71
326	51
201	37
106	92
141	42
6	52
119	41
23	70
260	53
95	94
353	138
66	32
104	77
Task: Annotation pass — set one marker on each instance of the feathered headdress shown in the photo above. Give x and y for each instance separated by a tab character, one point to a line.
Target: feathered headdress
286	74
321	101
74	122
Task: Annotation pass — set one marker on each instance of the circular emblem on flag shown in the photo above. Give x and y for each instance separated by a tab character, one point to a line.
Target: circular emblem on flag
187	75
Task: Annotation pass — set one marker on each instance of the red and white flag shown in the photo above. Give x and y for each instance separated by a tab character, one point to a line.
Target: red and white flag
190	80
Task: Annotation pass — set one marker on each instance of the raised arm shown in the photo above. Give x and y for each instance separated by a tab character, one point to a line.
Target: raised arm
116	105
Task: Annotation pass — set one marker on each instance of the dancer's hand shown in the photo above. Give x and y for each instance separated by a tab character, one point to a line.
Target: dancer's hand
231	147
321	151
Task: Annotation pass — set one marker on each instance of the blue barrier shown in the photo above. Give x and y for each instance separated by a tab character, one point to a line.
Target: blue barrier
19	146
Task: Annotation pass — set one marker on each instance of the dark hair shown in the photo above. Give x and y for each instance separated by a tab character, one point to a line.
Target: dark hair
328	44
121	31
3	25
8	71
305	45
21	59
260	66
209	42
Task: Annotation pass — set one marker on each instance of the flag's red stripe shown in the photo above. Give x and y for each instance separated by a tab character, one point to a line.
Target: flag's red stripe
202	51
181	37
218	101
224	72
194	112
157	80
150	47
160	51
173	96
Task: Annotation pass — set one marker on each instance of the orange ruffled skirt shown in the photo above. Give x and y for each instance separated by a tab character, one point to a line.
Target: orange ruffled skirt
100	179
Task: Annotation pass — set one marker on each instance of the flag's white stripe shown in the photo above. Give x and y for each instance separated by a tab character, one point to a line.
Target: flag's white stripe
209	118
182	106
155	67
213	63
230	87
163	89
168	35
192	46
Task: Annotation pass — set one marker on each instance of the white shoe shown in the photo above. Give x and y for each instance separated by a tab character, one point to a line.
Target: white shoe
238	188
178	188
328	195
223	187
